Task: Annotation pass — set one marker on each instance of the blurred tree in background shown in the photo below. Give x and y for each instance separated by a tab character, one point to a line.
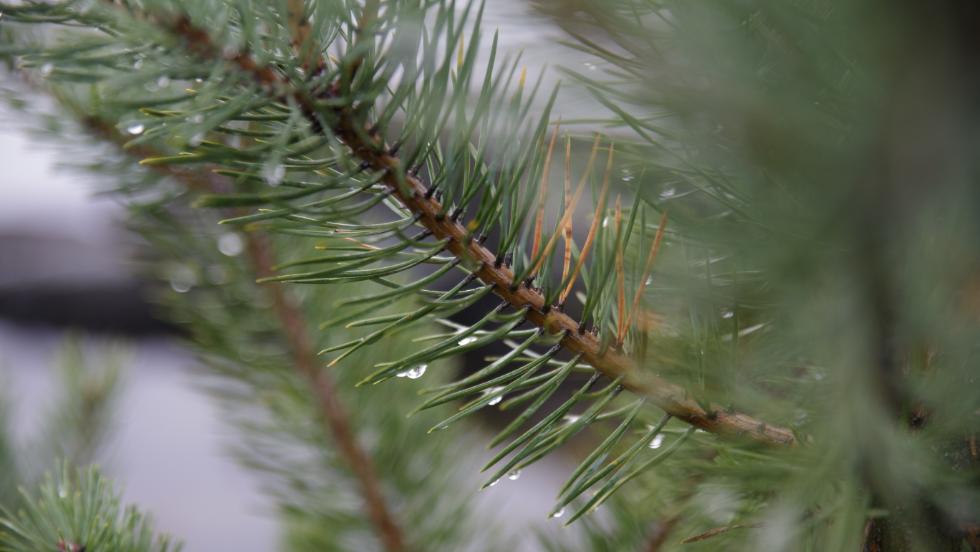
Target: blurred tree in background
745	291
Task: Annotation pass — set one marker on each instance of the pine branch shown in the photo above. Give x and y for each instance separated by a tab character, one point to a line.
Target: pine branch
615	365
295	331
79	511
416	197
338	420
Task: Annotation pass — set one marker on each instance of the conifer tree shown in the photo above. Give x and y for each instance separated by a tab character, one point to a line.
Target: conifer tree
748	286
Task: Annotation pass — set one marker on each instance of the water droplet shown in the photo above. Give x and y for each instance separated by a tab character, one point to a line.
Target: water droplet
46	69
135	128
589	65
414	372
727	313
198	80
138	64
230	244
649	281
196	118
196	140
627	175
570	418
182	279
163	82
605	222
514	475
559	513
180	286
668	193
467	340
494	391
492	483
273	173
62	491
657	441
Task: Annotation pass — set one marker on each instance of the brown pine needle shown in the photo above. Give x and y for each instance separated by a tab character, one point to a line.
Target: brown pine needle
543	194
323	247
567	263
362	244
648	267
620	275
459	55
568	213
593	229
718	531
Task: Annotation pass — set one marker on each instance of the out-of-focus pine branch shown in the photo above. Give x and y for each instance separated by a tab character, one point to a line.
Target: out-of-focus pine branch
76	424
76	511
81	413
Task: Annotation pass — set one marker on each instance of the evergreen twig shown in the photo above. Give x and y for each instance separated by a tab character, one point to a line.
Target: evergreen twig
413	195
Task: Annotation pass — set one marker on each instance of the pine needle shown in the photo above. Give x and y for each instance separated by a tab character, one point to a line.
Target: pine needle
568	213
647	268
567	185
620	274
543	194
593	229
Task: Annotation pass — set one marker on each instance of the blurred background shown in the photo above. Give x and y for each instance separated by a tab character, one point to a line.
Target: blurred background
67	270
